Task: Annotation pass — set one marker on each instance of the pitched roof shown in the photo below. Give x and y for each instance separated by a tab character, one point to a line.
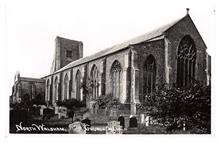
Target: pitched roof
152	35
31	79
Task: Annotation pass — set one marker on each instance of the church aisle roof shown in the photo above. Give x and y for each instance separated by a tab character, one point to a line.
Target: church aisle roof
152	35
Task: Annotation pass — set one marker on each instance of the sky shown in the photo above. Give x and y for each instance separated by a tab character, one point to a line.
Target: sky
31	27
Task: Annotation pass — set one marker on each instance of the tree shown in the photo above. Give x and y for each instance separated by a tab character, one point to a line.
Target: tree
38	100
175	106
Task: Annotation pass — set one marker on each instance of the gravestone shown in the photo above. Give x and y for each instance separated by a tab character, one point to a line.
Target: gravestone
42	107
147	120
62	112
127	119
133	122
121	119
48	113
76	128
56	109
142	119
87	122
114	128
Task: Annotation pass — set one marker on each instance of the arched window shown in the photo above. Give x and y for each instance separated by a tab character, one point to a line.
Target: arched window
33	91
186	59
149	75
94	77
48	91
78	85
56	89
116	79
66	80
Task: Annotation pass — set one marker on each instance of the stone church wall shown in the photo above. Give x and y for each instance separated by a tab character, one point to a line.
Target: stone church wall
104	67
74	71
155	48
132	61
174	36
28	89
123	58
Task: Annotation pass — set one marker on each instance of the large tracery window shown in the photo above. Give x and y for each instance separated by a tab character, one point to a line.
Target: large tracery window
116	79
78	85
186	59
66	80
94	76
149	75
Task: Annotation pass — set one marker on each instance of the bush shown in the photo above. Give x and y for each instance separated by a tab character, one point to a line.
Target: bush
71	103
107	101
173	107
38	100
26	103
48	113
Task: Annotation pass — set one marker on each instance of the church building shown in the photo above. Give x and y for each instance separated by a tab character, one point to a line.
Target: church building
172	55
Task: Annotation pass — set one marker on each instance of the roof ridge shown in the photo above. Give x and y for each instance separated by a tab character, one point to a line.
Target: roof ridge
156	32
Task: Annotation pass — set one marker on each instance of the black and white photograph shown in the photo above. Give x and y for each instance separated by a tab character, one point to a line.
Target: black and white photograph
109	67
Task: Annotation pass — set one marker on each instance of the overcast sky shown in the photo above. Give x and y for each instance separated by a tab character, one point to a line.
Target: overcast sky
31	27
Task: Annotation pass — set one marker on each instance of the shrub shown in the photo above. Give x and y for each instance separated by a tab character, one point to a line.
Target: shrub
190	105
71	103
38	100
107	101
